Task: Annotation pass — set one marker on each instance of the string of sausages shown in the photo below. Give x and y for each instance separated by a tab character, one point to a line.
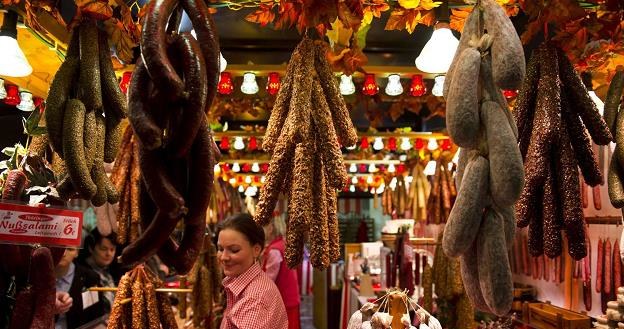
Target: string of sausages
308	123
82	116
442	193
552	111
615	122
205	278
490	176
172	85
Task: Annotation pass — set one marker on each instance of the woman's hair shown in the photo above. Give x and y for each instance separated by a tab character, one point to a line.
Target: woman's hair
279	225
244	224
95	238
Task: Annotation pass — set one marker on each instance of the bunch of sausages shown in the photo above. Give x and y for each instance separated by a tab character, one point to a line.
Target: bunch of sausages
206	280
608	270
308	123
539	268
615	122
490	176
138	305
126	176
172	85
552	111
419	191
442	194
83	111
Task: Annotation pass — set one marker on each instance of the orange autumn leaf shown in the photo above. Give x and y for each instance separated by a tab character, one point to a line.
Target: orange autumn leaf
97	10
458	18
428	19
372	9
263	15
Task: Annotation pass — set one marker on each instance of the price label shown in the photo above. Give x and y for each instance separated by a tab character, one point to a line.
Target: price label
47	226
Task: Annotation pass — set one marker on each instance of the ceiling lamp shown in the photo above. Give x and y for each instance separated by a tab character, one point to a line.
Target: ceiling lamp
225	86
273	83
394	87
239	144
249	86
236	167
346	85
437	54
405	144
3	92
378	145
432	145
372	168
438	86
255	167
418	87
26	102
391	168
370	87
13	62
353	168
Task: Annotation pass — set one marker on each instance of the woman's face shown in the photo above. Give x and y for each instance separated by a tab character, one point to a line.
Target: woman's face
236	254
104	252
68	257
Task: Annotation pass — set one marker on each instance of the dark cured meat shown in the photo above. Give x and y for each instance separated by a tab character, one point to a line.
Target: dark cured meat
140	110
599	266
44	287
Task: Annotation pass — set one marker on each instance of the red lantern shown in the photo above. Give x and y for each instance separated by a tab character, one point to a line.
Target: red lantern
225	167
400	168
253	143
420	144
446	144
364	144
12	97
125	81
370	87
226	86
362	168
246	167
273	83
392	144
418	87
256	179
225	143
510	93
264	167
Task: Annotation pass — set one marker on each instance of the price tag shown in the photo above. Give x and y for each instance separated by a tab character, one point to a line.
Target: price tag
47	226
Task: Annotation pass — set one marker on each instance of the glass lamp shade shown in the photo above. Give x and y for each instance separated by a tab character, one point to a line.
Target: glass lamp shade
392	144
12	97
364	144
432	145
225	86
378	145
26	102
253	143
405	144
438	86
346	85
225	143
239	144
418	87
3	92
249	86
419	144
125	81
438	53
394	87
13	62
273	83
370	87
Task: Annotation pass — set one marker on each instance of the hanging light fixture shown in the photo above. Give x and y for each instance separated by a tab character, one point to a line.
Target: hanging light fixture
362	168
217	169
13	62
438	86
394	87
417	87
510	93
253	143
372	168
12	98
125	81
3	92
225	86
430	168
249	86
26	102
419	144
346	85
391	168
370	87
446	144
255	167
273	83
354	180
432	145
236	167
405	144
353	168
225	143
364	144
437	54
239	144
378	145
392	145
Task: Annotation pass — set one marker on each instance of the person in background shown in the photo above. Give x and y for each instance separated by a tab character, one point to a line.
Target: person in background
75	305
102	253
253	300
274	264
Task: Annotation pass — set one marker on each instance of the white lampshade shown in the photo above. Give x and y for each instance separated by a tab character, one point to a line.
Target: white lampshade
394	87
3	92
353	168
241	189
378	145
239	144
405	144
26	102
438	86
430	168
249	86
599	103
255	167
13	62
346	85
236	167
432	144
438	53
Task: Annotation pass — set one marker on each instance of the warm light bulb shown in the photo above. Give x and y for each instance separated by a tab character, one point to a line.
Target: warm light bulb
405	144
393	183
391	168
262	179
432	145
394	87
232	181
255	167
430	168
372	190
241	189
26	102
372	168
3	92
250	191
249	86
346	85
438	86
248	179
354	180
353	168
235	167
599	103
378	145
437	54
13	62
239	144
381	188
369	180
352	188
217	169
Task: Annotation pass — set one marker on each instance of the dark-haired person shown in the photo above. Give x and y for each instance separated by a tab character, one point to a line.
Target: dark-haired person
274	265
102	253
253	300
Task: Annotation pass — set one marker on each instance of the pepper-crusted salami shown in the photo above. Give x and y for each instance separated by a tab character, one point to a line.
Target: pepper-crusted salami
608	269
600	266
525	102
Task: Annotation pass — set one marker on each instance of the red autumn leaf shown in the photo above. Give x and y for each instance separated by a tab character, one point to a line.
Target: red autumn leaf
351	13
97	10
396	21
263	15
428	19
